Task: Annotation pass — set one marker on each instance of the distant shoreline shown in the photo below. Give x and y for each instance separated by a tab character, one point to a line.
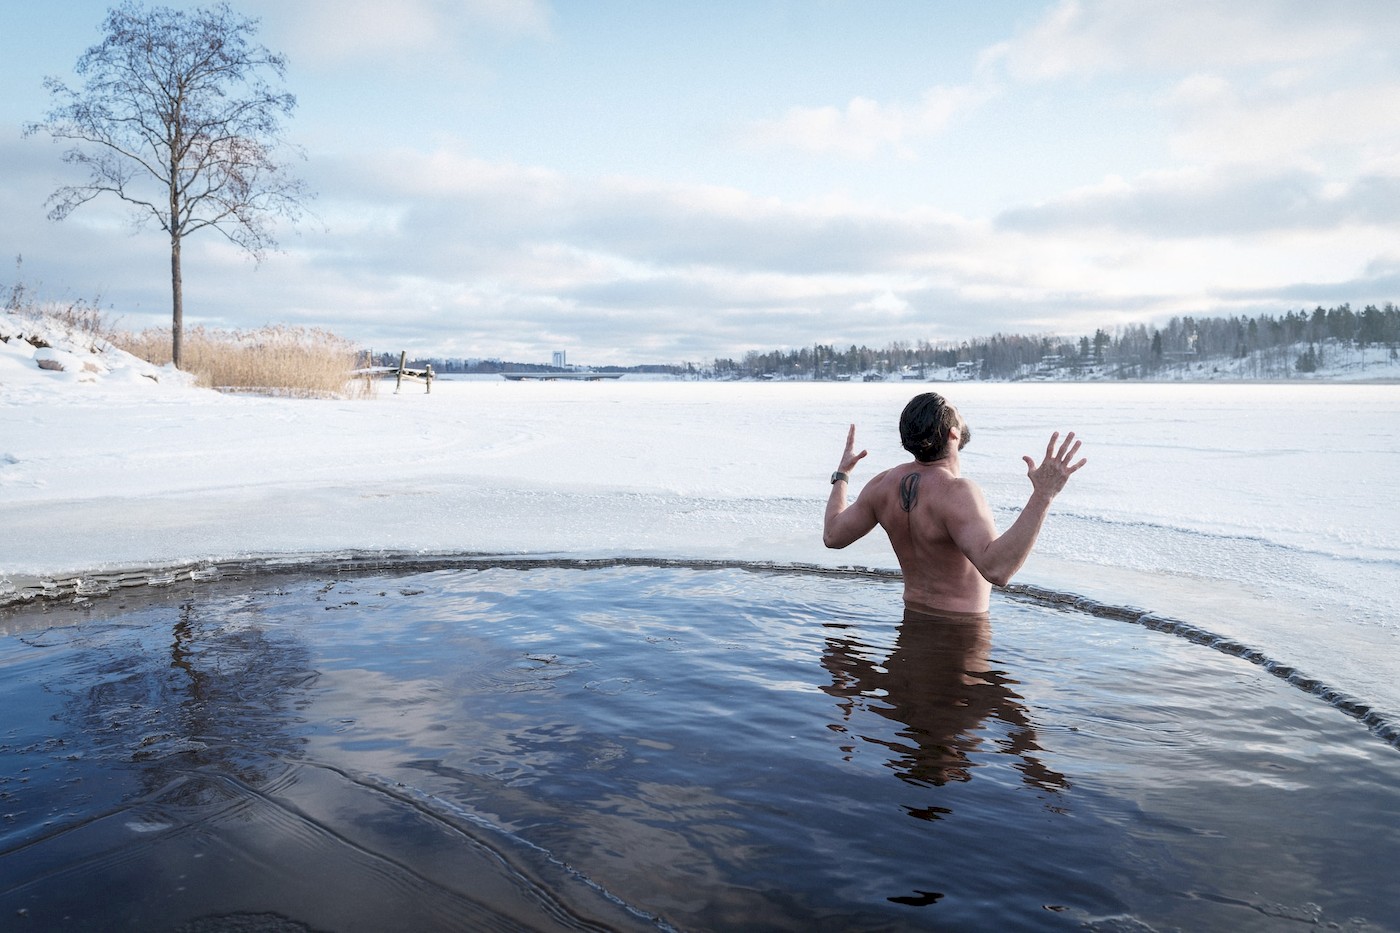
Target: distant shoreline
791	380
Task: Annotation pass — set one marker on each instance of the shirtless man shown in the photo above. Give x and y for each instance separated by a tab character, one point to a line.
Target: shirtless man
938	522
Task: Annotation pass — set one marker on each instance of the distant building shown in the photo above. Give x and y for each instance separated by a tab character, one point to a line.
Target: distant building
559	357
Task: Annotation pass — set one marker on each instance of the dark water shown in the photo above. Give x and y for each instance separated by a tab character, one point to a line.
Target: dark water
644	747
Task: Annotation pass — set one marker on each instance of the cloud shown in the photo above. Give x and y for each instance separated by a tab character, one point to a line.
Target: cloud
647	266
443	212
1217	121
445	253
1085	38
1230	201
340	32
886	305
1266	82
866	128
1377	283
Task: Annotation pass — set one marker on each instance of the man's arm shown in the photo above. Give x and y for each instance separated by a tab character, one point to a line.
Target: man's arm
998	557
846	525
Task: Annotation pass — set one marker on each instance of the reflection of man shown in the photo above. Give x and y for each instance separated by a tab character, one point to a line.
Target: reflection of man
939	687
938	522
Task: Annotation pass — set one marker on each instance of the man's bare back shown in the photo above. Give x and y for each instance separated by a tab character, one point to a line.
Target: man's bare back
937	521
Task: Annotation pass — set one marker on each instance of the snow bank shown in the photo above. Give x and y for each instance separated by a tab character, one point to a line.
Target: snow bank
39	352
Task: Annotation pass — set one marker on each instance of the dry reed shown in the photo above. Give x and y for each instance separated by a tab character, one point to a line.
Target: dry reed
299	362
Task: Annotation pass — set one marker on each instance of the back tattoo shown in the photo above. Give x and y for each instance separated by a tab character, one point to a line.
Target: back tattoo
909	491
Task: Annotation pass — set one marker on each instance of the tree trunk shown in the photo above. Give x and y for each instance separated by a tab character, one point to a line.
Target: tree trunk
176	228
177	302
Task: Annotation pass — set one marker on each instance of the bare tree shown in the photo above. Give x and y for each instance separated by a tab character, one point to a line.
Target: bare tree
175	118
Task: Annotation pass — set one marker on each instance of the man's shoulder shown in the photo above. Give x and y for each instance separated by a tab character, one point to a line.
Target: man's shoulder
879	488
962	482
948	492
880	477
961	496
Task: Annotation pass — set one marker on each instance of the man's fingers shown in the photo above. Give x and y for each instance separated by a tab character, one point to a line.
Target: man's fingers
850	458
1068	448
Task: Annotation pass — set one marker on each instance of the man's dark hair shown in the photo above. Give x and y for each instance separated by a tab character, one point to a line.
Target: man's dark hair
924	426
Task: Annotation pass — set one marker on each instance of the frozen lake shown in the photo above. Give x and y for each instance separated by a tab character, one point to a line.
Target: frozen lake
1266	514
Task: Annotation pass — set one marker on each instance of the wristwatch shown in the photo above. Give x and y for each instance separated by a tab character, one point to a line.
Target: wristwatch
839	477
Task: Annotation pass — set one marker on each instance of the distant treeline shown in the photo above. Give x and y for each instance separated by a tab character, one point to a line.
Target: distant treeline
1131	351
1269	344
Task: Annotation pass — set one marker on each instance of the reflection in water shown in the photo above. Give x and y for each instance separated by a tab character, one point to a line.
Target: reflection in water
175	789
224	701
939	688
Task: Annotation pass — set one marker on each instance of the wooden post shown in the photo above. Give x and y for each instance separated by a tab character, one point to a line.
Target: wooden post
428	378
403	358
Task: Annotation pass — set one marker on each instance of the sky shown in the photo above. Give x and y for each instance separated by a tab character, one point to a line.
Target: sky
666	182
